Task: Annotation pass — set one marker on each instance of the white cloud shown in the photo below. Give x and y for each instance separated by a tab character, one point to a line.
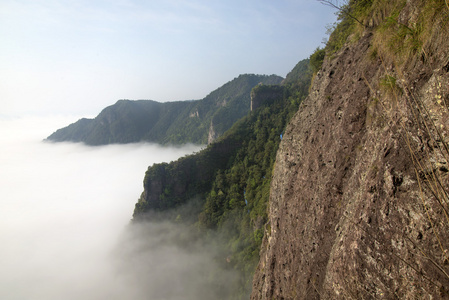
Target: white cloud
63	209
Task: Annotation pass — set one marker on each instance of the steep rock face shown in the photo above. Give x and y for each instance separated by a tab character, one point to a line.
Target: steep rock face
265	94
212	136
168	185
349	218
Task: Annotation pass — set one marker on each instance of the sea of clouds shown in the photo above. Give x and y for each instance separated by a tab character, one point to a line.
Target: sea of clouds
65	211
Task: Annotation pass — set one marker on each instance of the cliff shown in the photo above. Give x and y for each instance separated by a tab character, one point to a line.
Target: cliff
168	185
265	94
228	182
358	203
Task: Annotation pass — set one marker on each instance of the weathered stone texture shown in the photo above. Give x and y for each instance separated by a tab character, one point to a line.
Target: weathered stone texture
347	216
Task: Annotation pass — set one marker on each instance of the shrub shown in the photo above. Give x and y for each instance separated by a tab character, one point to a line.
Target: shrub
316	59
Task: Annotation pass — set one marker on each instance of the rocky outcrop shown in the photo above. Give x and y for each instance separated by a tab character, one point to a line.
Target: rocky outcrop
265	95
194	114
169	185
358	202
212	134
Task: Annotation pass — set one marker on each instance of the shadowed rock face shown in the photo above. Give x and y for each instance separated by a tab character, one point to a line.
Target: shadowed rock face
347	216
264	95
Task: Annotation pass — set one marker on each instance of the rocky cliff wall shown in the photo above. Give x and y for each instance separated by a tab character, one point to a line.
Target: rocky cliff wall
358	203
265	95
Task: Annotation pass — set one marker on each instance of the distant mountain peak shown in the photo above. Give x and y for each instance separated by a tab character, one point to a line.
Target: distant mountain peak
178	122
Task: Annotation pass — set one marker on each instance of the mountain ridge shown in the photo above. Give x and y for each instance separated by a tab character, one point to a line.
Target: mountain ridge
177	122
342	194
229	180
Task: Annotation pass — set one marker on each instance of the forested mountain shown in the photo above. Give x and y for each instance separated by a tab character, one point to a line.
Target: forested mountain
179	122
229	180
347	199
336	185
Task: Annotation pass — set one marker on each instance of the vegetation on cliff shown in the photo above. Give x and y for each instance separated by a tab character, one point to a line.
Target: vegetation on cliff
176	122
231	177
359	205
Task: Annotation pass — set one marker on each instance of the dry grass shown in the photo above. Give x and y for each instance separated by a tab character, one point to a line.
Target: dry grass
433	184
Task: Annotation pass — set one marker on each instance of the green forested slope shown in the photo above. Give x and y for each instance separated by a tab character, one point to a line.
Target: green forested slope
170	122
231	177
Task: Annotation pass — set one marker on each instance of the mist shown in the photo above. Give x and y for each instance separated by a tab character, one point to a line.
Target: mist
173	262
65	230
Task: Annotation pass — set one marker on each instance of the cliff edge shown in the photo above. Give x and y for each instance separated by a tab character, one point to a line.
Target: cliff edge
358	202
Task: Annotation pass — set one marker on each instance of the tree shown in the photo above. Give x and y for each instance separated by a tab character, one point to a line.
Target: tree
342	6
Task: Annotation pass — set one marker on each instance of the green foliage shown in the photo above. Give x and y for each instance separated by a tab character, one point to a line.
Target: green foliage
233	177
316	59
177	122
389	85
401	38
221	108
299	75
350	17
243	188
388	81
397	40
405	39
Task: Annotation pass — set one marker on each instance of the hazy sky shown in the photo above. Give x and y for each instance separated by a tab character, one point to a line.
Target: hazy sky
78	56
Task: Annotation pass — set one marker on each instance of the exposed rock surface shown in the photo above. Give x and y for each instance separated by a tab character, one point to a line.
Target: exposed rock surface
212	136
265	94
348	219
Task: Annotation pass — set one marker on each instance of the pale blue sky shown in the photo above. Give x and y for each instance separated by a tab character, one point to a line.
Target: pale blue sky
78	56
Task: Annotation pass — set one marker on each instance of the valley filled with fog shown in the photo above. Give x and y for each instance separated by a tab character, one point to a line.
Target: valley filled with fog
64	215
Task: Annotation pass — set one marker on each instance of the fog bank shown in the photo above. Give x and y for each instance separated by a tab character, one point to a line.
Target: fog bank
63	212
165	260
